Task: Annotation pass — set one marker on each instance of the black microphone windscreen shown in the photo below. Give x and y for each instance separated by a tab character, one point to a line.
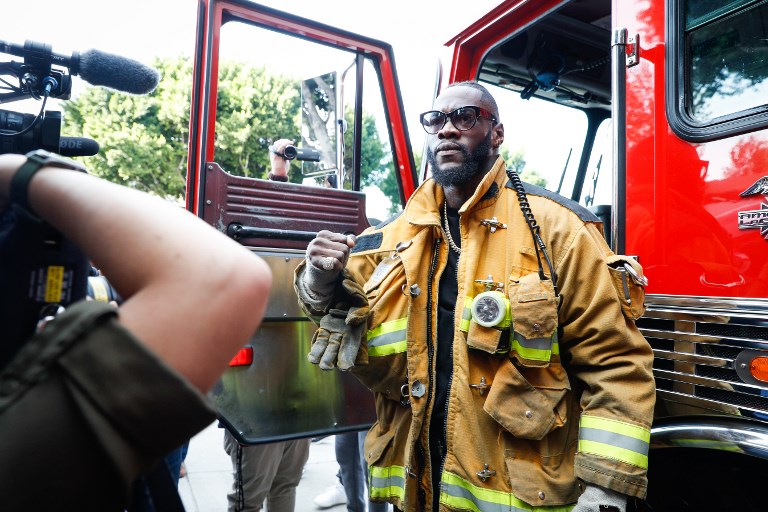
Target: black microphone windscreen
78	146
120	73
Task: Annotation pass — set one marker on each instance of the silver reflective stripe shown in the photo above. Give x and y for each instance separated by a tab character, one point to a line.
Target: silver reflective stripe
533	343
459	494
386	482
613	439
388	338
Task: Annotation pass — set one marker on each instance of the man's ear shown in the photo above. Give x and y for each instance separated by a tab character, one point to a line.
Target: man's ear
497	136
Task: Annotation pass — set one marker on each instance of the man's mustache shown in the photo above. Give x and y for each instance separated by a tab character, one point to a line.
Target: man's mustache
450	146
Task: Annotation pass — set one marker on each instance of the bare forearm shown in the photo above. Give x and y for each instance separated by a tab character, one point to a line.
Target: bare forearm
186	285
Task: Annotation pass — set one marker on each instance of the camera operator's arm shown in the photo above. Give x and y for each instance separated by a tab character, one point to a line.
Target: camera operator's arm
191	294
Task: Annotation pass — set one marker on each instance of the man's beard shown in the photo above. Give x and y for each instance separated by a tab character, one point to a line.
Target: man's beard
463	173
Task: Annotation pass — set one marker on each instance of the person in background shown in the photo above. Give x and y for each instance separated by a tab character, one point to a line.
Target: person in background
269	471
280	166
491	321
352	477
99	395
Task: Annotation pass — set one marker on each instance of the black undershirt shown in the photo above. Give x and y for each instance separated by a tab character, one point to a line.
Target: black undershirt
448	290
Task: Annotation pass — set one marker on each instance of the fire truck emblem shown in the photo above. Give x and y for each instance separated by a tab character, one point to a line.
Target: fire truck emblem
758	187
755	219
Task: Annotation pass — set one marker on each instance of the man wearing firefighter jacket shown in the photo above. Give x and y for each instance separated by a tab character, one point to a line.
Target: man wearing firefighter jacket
496	329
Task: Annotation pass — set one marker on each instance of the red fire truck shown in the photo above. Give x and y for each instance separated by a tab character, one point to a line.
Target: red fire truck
655	116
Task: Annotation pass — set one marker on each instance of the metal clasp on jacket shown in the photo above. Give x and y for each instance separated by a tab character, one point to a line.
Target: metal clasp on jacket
493	223
486	473
414	290
405	396
490	284
637	278
481	386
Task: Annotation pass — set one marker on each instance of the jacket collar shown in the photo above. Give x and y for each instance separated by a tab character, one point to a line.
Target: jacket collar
423	208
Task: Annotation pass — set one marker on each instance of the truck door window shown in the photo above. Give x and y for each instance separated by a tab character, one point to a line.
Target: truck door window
719	62
260	76
598	186
552	80
377	175
272	85
542	140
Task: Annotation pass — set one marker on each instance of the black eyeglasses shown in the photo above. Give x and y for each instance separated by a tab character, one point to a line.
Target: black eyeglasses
463	118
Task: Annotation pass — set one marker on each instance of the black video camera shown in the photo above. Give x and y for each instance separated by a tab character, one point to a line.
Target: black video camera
40	269
291	152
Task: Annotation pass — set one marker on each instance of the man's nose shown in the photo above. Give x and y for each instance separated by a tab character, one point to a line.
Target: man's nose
448	130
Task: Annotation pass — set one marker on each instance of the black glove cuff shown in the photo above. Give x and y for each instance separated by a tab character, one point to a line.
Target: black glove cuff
36	160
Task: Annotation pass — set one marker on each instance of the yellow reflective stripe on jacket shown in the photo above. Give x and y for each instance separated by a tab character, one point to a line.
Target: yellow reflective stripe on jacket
386	482
535	349
388	338
614	439
460	494
466	314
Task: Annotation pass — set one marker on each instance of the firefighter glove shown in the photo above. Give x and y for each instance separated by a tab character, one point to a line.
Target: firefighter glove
354	346
355	351
337	342
599	499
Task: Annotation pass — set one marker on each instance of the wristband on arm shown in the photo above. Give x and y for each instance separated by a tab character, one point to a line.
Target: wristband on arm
19	187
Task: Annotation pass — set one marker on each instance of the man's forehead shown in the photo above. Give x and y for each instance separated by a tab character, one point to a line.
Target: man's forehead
458	96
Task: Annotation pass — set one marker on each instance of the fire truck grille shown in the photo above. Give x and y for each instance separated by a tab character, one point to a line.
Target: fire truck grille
703	348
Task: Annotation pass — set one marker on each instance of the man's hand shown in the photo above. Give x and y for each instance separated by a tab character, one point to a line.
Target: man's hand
330	251
327	256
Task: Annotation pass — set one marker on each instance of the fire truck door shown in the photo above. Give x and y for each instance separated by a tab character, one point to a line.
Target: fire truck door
261	75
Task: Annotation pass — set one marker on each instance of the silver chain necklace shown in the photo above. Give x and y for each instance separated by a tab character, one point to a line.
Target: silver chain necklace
451	243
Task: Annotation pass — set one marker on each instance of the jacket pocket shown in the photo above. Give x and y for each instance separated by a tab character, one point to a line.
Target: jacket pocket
386	291
540	480
376	443
534	319
528	408
487	339
628	279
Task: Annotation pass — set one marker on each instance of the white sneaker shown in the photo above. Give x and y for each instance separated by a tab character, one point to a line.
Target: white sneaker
332	496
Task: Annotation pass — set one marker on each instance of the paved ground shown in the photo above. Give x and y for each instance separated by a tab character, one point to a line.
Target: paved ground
209	474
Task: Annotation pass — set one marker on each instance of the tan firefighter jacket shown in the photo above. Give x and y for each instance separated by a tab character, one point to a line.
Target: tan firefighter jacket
564	394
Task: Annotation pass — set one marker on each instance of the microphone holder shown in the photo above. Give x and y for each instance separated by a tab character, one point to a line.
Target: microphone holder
33	82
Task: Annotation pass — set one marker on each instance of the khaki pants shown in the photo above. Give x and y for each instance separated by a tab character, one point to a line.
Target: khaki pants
266	471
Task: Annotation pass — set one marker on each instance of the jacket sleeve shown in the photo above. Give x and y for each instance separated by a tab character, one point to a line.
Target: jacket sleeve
602	348
313	305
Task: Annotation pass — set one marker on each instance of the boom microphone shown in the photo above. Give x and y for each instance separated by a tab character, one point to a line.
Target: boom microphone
78	146
120	73
94	66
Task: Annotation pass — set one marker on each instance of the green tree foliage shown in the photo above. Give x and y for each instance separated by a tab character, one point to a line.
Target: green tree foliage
143	139
516	162
254	107
376	167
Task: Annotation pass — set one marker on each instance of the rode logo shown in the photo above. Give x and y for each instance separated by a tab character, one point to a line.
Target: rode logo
71	144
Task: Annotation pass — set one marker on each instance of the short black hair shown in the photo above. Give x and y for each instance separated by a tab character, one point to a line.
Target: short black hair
332	181
486	95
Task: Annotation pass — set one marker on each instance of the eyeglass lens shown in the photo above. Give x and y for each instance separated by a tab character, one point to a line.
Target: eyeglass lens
462	119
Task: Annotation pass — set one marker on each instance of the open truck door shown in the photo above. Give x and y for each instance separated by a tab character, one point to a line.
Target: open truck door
261	75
